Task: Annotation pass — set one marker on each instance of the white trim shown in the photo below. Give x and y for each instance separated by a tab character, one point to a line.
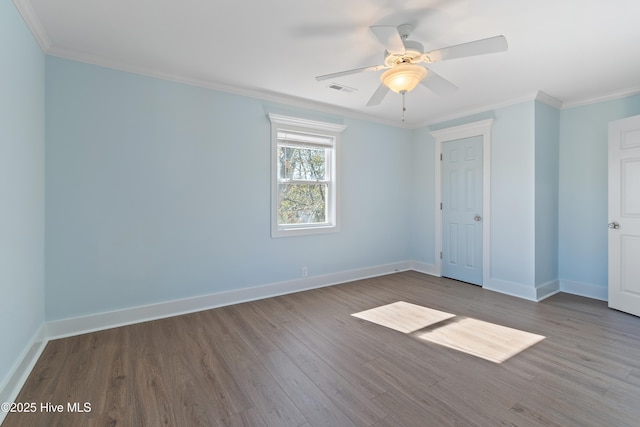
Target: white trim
538	96
514	289
478	110
10	388
426	268
602	98
532	293
545	290
297	122
588	290
95	322
219	86
112	319
549	100
43	39
33	22
479	128
332	131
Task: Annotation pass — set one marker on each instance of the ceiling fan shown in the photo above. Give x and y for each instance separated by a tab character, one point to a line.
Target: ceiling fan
403	56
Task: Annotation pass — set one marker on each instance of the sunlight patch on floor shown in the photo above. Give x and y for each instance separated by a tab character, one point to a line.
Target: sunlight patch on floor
489	341
482	339
403	316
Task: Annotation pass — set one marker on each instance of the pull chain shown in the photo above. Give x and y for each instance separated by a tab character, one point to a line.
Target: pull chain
403	105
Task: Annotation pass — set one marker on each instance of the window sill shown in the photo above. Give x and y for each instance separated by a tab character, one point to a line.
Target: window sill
304	231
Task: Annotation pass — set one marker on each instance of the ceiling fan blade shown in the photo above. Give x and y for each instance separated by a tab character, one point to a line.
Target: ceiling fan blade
348	72
438	84
390	38
378	95
478	47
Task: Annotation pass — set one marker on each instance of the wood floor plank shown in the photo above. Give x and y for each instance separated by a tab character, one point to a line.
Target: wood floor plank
250	417
346	396
634	377
419	411
387	422
343	362
273	404
302	360
317	407
521	416
623	396
249	327
398	375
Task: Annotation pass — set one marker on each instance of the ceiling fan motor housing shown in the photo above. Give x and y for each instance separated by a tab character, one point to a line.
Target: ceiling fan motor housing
412	54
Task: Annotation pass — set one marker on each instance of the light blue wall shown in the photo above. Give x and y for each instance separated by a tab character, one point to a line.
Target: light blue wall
513	195
512	192
21	188
583	189
423	202
159	191
549	193
547	135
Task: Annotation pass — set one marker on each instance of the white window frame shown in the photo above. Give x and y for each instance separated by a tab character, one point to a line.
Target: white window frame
332	132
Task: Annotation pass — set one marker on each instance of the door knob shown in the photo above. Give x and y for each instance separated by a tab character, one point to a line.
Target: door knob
477	218
614	225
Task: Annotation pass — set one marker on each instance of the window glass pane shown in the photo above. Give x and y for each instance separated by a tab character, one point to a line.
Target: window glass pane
302	203
304	179
302	163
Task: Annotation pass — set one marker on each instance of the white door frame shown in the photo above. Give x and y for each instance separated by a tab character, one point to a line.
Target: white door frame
624	151
480	128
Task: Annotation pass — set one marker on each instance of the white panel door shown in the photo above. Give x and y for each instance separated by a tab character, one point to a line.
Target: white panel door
462	209
624	215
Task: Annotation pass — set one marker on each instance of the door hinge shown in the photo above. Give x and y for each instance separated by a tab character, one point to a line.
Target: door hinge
440	255
440	205
440	156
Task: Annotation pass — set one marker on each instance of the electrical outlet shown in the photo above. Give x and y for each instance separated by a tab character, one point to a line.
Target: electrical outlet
305	271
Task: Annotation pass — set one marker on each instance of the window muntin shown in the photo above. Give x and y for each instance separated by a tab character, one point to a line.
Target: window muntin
304	187
303	184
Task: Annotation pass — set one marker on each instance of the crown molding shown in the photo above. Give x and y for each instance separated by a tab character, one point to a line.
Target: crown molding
220	87
602	98
321	107
537	96
549	100
478	110
33	22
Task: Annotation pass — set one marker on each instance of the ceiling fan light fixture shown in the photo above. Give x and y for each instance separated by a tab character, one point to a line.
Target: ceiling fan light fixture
403	77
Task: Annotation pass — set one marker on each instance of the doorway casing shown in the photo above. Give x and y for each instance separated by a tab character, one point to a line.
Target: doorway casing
480	128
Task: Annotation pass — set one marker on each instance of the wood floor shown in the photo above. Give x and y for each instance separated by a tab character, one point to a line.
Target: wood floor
303	360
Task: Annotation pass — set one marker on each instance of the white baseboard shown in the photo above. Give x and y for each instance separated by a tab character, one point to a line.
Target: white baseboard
15	380
584	289
423	267
537	293
545	290
84	324
511	288
95	322
531	293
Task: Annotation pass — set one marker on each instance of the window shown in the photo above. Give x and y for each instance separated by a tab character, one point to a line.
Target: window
304	189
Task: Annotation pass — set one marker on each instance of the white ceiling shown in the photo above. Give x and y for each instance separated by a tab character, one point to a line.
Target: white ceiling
575	51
